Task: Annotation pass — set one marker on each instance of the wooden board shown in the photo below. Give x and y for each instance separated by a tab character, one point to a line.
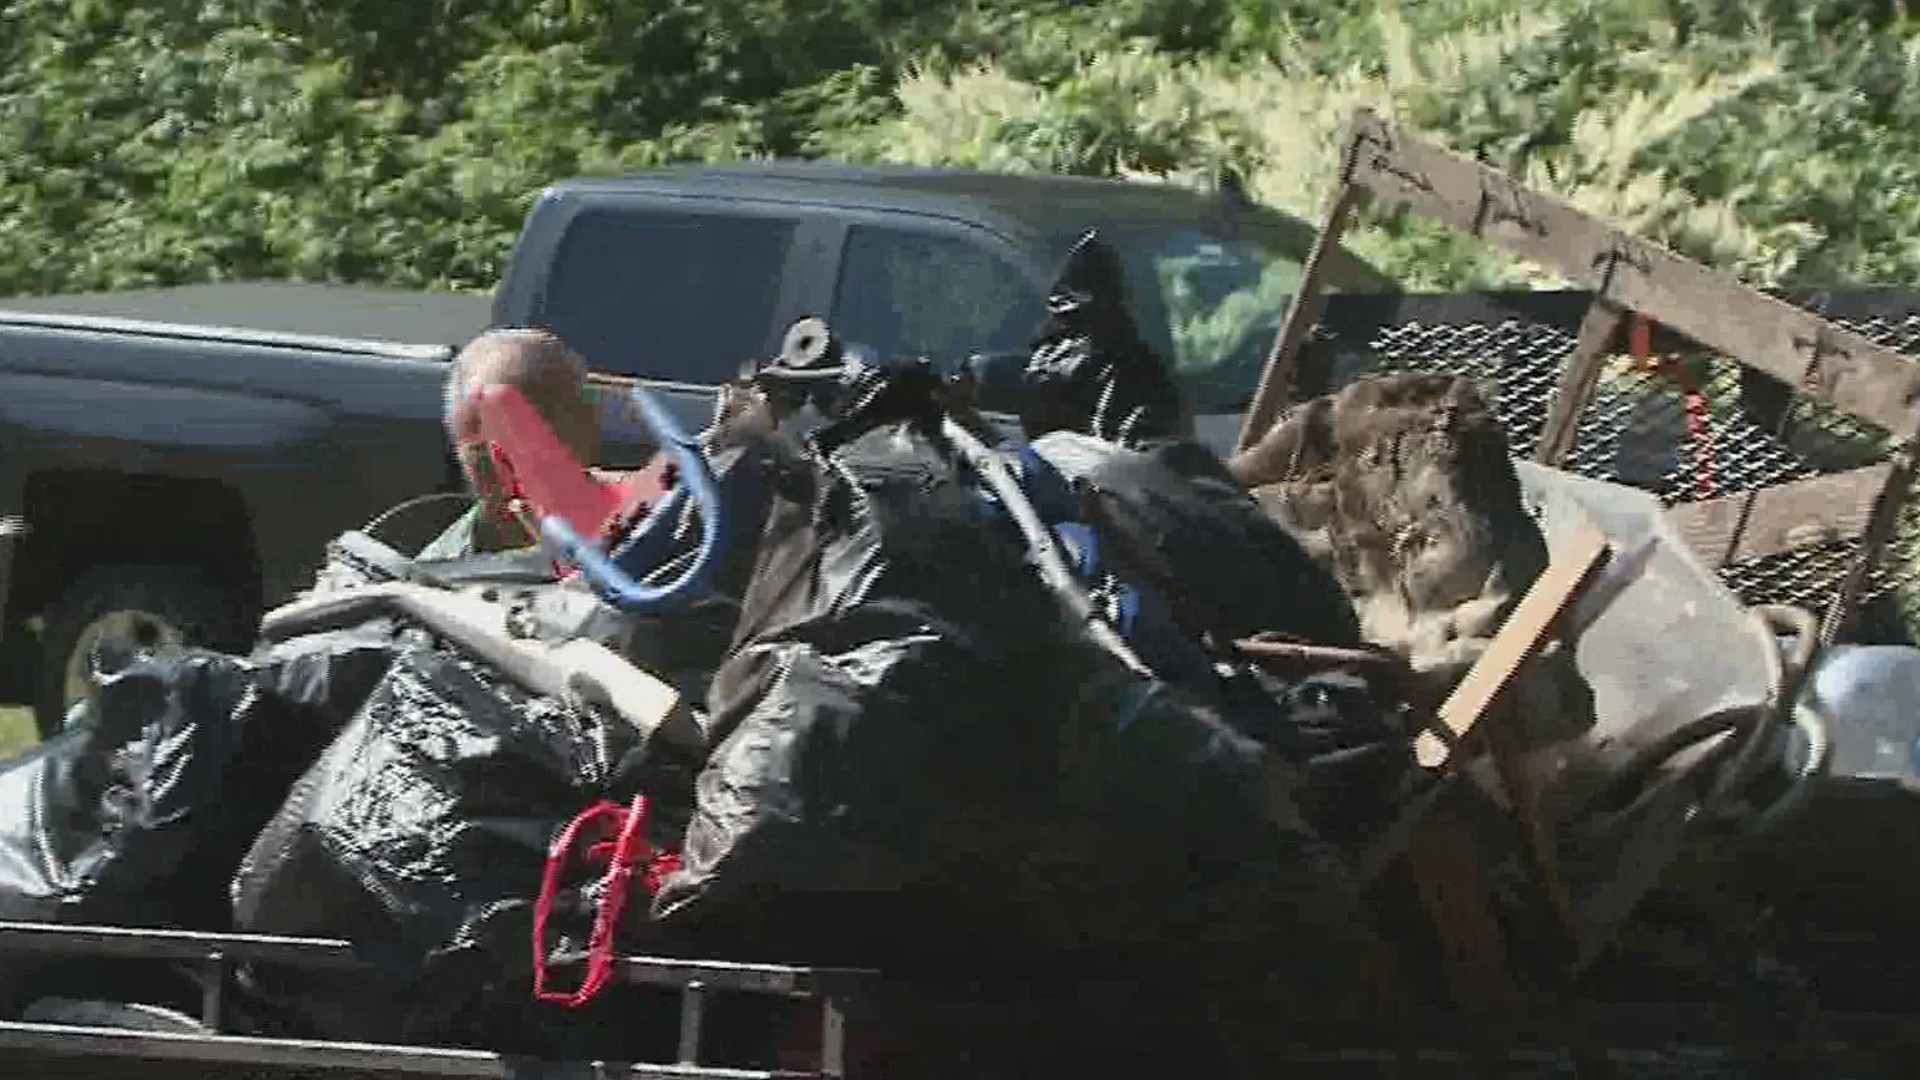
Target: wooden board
1599	329
1782	518
1276	376
1577	554
1865	379
1449	875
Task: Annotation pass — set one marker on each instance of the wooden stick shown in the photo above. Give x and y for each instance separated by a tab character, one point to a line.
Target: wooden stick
1867	380
1577	557
1276	378
1599	329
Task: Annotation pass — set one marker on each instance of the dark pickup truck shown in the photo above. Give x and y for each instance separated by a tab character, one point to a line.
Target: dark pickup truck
173	460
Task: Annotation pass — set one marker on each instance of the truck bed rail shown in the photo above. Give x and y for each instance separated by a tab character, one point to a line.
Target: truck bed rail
831	988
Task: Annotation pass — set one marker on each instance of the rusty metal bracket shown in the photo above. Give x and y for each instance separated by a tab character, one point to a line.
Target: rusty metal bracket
1622	252
1507	205
1820	347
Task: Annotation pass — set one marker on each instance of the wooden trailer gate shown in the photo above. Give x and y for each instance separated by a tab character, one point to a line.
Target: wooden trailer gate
1631	280
1634	285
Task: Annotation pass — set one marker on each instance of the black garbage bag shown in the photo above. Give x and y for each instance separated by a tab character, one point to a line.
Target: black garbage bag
684	646
1090	371
423	832
923	765
1177	520
139	812
1189	555
421	835
864	706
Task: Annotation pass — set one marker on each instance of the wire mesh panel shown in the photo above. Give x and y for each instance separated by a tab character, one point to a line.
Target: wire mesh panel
1680	423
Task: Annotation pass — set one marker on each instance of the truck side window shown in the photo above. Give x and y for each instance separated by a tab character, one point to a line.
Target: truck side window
910	294
681	297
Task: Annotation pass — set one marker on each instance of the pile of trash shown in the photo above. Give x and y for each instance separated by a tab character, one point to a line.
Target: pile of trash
886	689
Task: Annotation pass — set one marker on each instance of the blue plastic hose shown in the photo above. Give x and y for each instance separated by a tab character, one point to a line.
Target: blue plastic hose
618	578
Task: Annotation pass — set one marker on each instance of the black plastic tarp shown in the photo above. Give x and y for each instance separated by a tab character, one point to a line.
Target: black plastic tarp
420	834
1187	555
139	812
923	764
1090	371
1178	521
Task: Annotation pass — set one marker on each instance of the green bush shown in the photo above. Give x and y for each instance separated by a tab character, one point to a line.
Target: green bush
156	141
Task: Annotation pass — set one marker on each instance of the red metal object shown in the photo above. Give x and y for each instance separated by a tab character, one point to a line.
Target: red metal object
1699	416
625	853
542	473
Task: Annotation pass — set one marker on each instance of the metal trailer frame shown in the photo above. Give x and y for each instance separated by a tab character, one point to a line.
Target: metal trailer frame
834	989
1606	1040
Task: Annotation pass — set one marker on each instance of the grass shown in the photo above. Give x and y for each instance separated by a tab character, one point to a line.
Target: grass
16	730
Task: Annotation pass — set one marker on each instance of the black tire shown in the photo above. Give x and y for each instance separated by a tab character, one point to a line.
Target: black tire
181	600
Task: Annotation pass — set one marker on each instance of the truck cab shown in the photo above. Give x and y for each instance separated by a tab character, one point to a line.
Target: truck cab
677	276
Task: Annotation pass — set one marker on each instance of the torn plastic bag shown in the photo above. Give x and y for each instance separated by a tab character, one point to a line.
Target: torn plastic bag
923	765
1090	371
138	813
423	833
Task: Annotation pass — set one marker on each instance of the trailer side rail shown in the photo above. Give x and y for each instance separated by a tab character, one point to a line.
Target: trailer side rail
216	954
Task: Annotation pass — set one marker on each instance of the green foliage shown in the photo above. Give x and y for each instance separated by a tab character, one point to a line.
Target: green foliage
157	141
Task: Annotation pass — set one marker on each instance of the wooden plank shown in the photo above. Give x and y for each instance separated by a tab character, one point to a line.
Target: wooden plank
1782	518
1599	329
1530	812
1276	376
1867	380
1450	877
1884	519
1578	554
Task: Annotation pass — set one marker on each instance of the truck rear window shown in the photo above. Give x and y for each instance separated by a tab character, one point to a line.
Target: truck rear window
667	294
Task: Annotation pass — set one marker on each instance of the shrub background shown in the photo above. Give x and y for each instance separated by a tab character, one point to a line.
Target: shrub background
152	142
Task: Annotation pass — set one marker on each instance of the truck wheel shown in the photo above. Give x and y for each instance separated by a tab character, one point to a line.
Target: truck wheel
142	606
